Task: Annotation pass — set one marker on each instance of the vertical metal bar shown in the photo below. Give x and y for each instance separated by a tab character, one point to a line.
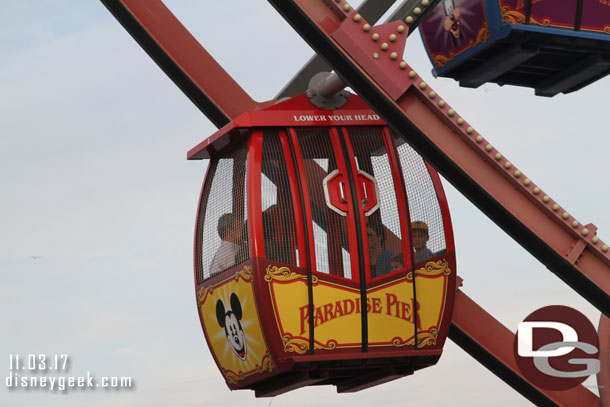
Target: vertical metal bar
395	162
364	325
306	220
528	11
578	16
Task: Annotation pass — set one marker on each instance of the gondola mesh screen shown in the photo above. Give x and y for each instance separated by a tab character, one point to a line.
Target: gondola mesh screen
423	202
224	193
279	229
372	157
330	239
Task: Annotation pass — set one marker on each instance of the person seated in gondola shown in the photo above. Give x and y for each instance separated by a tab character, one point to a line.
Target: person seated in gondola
380	257
230	228
419	232
397	263
274	250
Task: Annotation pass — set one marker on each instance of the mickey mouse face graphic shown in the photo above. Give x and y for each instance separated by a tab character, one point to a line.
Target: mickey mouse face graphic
229	320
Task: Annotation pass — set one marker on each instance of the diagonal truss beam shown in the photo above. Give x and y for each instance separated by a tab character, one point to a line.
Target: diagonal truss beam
459	153
371	11
491	344
183	59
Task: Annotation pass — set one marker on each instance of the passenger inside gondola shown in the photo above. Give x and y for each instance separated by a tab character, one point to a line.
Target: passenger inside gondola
397	263
379	255
230	229
274	249
419	231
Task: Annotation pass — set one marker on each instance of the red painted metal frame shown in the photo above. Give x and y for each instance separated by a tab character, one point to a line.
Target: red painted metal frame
438	133
444	206
342	163
255	212
495	340
401	198
307	223
183	59
296	200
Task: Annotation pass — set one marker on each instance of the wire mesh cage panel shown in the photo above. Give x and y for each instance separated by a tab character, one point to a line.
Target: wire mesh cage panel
330	228
222	234
384	233
424	208
279	229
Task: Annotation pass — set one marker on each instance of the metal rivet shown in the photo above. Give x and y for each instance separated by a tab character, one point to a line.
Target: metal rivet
425	3
575	224
347	7
460	121
584	232
417	11
400	29
409	20
385	46
375	37
507	165
451	112
536	190
469	130
604	248
517	174
441	103
432	94
375	55
412	74
479	139
555	207
595	239
357	17
527	182
546	199
366	27
392	37
393	56
423	85
403	65
565	215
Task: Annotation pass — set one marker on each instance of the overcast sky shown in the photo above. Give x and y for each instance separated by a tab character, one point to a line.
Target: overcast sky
98	204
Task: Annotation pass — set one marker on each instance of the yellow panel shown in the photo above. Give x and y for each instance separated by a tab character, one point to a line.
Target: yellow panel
240	349
337	310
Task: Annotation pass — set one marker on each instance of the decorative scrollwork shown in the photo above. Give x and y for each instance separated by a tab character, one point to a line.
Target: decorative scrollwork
607	29
245	273
512	16
284	274
427	338
267	364
423	339
202	294
483	34
301	346
230	377
440	61
432	269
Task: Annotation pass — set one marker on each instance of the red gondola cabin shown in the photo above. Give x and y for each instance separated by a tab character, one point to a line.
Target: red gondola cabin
324	252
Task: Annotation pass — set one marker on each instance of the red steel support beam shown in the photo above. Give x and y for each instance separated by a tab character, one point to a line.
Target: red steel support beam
374	69
183	59
491	343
